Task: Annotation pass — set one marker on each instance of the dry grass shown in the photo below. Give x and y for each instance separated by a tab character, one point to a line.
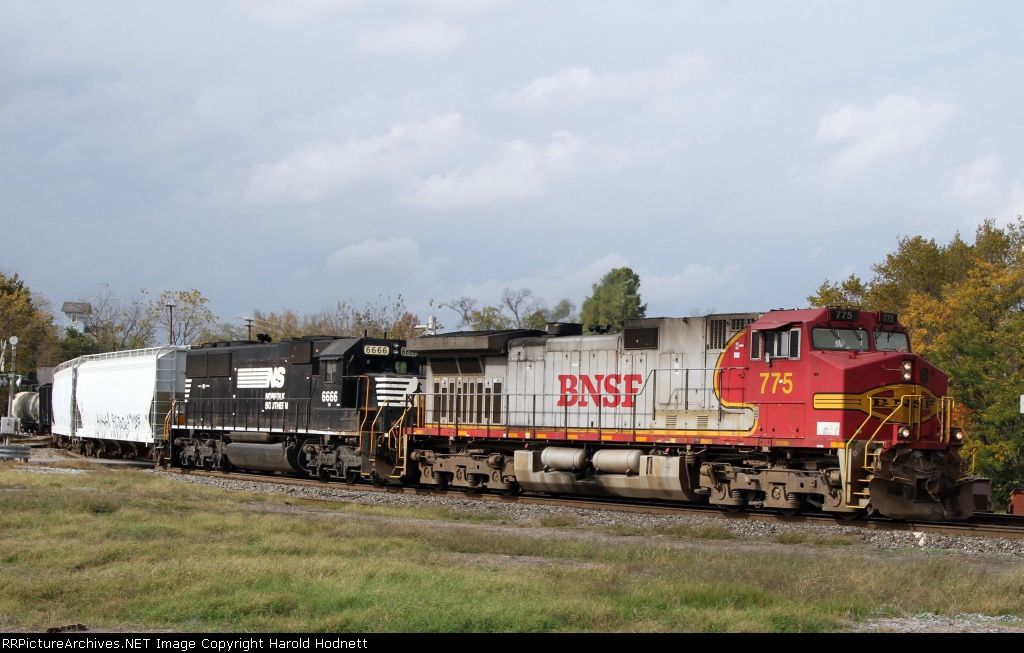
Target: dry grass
108	548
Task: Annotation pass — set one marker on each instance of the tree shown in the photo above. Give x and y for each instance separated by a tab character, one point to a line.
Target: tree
286	324
964	304
75	344
385	318
517	309
186	321
851	293
223	332
27	316
117	321
616	297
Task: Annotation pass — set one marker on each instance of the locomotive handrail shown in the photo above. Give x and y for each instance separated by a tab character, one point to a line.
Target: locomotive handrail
167	419
913	424
460	406
438	414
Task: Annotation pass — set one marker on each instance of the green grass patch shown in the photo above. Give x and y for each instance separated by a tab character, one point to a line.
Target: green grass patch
685	532
815	539
161	554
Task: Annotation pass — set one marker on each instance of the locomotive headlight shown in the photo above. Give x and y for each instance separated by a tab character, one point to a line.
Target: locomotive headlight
958	435
904	433
908	370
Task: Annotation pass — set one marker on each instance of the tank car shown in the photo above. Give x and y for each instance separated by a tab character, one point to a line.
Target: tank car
116	404
818	409
319	406
25	408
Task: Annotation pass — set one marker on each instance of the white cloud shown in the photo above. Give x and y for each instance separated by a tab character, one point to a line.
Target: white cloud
312	173
394	254
518	171
696	283
578	85
459	8
977	180
895	125
1015	206
275	11
417	38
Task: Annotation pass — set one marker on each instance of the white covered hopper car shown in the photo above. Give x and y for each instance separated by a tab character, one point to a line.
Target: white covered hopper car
116	404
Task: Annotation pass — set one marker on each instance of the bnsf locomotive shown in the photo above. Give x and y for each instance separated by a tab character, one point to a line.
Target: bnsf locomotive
821	409
818	409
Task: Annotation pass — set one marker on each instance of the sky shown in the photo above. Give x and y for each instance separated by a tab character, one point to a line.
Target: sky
291	155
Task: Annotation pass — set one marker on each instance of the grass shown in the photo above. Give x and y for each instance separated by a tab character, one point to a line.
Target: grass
110	548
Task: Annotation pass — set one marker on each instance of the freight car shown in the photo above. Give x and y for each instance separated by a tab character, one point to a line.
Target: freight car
319	406
820	409
115	404
31	409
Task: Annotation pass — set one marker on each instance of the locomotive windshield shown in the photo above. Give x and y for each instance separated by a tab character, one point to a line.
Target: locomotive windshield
891	341
840	339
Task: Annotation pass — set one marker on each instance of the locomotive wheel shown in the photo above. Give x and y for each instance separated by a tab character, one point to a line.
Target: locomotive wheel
789	512
511	491
732	507
351	476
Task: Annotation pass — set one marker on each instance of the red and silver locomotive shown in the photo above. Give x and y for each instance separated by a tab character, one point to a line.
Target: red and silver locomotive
819	409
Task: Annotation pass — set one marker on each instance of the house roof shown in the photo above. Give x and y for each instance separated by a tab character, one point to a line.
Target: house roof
81	308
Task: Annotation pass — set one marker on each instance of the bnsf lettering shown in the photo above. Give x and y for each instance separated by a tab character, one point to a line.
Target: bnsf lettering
611	390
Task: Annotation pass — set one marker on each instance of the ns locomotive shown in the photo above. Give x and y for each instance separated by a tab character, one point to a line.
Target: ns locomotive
821	409
326	407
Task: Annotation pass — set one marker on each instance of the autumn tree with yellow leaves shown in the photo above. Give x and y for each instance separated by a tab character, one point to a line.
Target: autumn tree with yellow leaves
964	304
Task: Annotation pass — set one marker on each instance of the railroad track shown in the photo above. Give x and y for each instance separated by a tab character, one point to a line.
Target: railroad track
981	525
984	524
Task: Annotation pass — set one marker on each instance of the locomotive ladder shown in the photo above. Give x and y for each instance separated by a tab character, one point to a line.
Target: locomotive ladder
164	400
394	437
858	477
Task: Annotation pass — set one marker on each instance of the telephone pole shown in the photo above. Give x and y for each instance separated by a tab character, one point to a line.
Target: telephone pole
10	376
170	323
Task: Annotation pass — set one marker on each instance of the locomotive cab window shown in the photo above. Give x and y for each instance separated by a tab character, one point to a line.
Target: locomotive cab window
831	339
891	341
330	371
777	344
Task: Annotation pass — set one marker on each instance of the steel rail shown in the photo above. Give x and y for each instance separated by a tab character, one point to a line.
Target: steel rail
991	525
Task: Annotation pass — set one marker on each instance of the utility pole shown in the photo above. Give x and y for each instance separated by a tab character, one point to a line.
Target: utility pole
10	376
248	324
170	323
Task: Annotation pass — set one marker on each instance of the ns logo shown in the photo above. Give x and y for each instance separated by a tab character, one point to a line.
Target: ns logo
261	377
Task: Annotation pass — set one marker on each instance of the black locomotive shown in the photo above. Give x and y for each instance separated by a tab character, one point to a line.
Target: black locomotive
324	406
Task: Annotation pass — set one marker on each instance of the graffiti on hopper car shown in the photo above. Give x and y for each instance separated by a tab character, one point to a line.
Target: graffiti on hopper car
126	423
